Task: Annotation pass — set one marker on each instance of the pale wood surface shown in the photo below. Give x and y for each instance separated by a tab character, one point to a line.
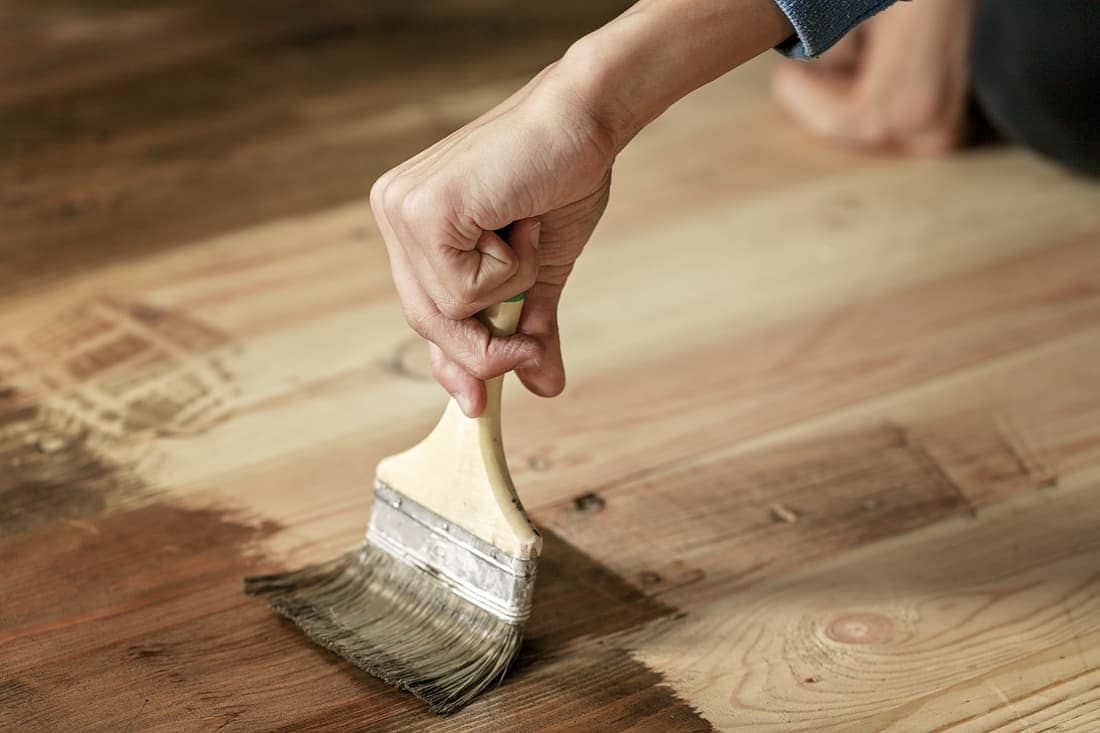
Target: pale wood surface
829	458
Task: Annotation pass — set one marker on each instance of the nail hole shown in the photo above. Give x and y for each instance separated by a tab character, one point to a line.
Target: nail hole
590	502
539	463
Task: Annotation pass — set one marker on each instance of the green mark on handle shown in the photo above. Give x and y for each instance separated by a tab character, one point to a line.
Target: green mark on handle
516	298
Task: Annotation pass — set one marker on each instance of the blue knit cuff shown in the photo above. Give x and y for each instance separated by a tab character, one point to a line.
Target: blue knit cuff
819	24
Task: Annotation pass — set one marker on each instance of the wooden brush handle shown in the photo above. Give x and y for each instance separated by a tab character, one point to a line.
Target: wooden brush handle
459	470
503	318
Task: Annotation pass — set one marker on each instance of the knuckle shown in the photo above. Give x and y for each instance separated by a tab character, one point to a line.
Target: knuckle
527	276
480	369
456	309
416	204
465	293
399	198
380	190
475	360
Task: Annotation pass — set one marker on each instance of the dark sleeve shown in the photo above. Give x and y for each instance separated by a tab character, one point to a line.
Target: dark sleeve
819	24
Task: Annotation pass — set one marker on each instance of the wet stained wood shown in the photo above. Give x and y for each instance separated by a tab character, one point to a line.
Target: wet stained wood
840	474
153	605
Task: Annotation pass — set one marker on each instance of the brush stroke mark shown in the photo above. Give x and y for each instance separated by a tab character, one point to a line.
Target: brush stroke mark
984	456
575	671
53	467
730	522
937	471
84	396
130	612
146	614
14	691
130	369
141	614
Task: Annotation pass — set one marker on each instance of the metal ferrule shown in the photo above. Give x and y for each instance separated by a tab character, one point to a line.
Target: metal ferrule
473	568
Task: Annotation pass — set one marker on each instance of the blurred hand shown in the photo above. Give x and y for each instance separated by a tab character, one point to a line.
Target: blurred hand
537	163
897	82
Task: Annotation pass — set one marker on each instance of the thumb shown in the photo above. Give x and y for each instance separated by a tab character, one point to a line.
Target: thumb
540	322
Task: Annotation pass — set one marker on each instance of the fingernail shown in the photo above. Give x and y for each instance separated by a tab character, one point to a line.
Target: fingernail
464	402
536	228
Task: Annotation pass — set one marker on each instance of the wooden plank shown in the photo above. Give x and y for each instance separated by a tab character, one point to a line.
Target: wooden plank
830	507
548	677
938	326
57	46
202	359
757	382
707	528
879	635
744	387
246	112
282	380
136	618
1055	689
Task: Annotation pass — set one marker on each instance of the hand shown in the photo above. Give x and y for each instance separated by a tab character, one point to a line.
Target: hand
897	82
538	164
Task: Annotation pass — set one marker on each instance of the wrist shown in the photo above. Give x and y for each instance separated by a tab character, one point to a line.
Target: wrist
591	77
625	74
579	87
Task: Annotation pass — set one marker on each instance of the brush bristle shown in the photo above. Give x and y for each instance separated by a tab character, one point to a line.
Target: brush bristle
398	623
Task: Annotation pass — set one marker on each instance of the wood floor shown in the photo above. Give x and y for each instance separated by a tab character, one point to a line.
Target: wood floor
829	458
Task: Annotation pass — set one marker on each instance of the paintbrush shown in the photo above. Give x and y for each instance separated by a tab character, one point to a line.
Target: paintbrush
436	599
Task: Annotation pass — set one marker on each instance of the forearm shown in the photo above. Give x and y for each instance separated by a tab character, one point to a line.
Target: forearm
631	70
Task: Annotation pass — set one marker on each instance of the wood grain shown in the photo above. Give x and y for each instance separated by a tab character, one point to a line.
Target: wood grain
832	466
150	630
956	605
952	447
